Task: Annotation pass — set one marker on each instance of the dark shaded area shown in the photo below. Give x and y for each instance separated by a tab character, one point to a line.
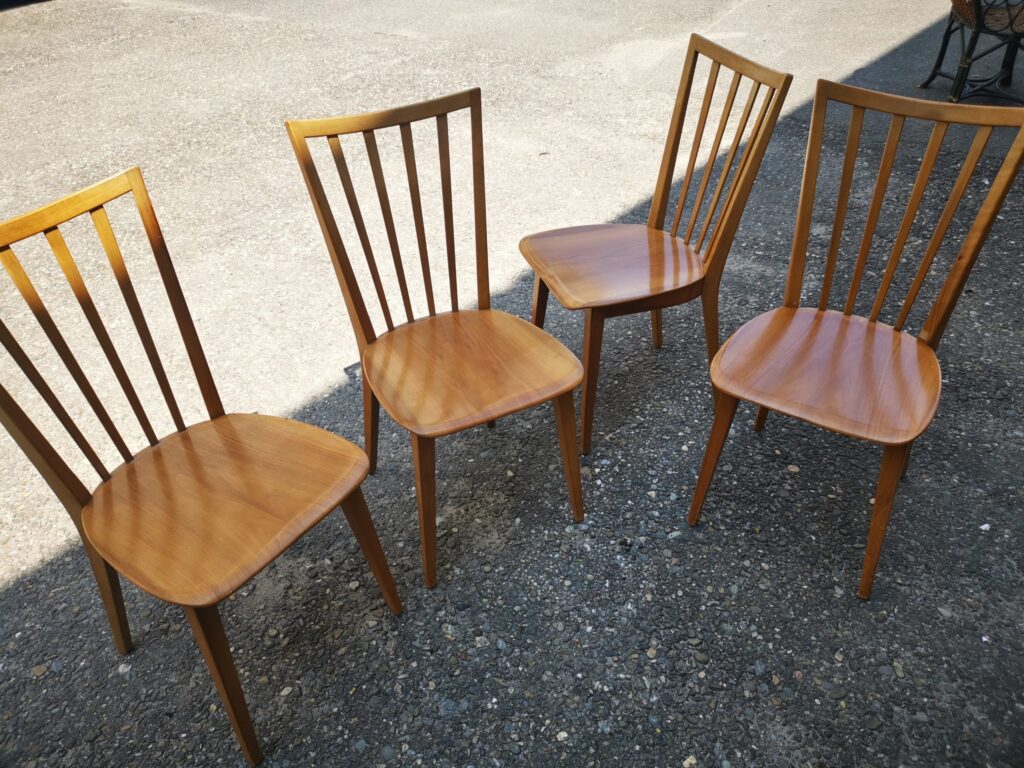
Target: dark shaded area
6	5
630	639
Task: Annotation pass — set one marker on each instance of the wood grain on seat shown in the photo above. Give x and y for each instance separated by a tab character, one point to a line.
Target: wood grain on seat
841	372
197	515
452	371
608	264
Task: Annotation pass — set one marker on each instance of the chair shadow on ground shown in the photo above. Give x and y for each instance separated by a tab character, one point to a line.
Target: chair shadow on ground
322	661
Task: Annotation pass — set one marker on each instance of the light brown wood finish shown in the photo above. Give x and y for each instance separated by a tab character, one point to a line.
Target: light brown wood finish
620	269
195	514
849	373
448	371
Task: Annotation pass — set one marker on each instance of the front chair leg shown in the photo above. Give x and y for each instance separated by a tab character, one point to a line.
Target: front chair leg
725	409
213	643
893	459
540	302
593	333
109	584
656	335
565	416
942	51
371	423
426	500
762	415
361	523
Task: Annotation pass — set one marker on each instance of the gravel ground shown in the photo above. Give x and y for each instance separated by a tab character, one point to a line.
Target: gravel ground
630	639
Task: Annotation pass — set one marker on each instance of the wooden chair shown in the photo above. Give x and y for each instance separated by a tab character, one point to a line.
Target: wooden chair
447	371
195	514
849	372
608	270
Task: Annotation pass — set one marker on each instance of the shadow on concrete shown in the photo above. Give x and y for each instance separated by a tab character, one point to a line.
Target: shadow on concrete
325	666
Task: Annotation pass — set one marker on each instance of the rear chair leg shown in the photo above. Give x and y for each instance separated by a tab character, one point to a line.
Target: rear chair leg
213	643
426	500
656	334
565	416
593	333
762	415
540	302
725	409
893	459
371	424
361	523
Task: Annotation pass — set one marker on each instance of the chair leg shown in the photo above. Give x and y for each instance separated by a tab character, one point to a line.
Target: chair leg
893	459
213	643
960	80
656	335
593	333
109	584
565	416
942	51
371	424
426	500
361	523
762	415
1009	59
540	302
492	424
725	409
709	308
906	463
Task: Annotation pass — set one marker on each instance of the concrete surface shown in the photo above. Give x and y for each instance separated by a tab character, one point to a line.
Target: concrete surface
630	639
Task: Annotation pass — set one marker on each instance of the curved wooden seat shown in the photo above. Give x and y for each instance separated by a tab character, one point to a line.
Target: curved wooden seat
449	372
841	372
609	264
194	517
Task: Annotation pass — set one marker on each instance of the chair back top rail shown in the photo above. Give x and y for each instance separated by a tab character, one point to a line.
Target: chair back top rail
712	221
47	221
986	120
301	132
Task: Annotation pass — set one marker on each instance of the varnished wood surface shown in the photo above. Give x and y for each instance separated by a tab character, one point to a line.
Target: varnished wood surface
841	372
194	517
452	371
607	264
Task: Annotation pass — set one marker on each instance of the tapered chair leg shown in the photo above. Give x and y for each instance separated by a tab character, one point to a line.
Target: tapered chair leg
964	69
906	462
759	419
109	584
893	459
371	424
709	308
942	51
213	643
565	416
725	409
540	302
656	334
593	334
361	523
426	500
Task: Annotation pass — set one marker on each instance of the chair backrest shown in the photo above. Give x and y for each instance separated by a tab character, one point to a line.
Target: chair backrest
47	221
1000	17
438	110
932	118
713	221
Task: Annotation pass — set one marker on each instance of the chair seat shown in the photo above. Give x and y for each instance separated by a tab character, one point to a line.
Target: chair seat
194	517
445	373
607	264
841	372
